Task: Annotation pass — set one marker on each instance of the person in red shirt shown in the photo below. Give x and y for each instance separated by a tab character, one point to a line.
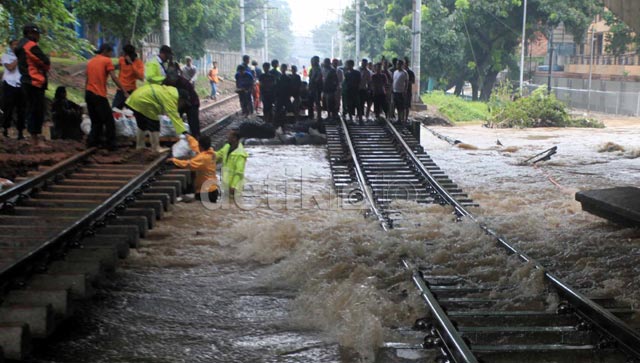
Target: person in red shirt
98	69
131	70
33	65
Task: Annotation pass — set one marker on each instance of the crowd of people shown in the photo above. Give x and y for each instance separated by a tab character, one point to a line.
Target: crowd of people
168	89
384	87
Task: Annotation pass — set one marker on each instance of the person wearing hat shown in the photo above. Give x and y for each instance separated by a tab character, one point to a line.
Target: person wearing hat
150	101
98	69
33	65
131	70
189	71
155	70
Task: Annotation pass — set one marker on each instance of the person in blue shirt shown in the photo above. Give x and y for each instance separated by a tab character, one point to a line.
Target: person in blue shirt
244	88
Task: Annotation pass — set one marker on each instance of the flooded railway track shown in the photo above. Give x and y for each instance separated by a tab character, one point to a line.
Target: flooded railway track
473	321
63	229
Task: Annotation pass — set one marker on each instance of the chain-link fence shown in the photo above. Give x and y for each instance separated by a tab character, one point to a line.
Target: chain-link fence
618	103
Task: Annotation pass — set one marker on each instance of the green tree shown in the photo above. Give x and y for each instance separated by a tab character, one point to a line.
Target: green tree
50	15
620	35
106	18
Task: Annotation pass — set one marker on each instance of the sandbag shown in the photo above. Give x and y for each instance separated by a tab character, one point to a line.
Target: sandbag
167	129
181	149
126	126
85	125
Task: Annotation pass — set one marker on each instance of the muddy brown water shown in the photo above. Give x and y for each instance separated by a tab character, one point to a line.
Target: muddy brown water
296	277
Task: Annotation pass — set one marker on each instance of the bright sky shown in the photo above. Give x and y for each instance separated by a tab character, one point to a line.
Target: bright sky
308	14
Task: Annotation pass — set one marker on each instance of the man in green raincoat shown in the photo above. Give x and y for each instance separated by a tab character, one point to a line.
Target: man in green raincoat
233	158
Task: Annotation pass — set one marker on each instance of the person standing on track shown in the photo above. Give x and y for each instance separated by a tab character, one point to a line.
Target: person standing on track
131	70
267	92
363	90
244	88
409	94
295	85
155	69
190	72
148	103
12	97
400	80
351	88
214	79
34	66
98	69
340	73
283	95
315	87
176	79
379	88
257	72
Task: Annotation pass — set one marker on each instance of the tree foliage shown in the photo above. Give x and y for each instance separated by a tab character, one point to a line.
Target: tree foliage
620	35
50	15
464	40
107	17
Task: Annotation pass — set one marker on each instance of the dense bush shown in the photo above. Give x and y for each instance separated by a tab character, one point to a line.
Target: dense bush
536	110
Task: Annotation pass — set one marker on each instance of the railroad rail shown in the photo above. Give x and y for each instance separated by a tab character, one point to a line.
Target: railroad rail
384	162
64	227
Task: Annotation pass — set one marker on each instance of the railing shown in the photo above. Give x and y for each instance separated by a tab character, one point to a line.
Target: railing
623	60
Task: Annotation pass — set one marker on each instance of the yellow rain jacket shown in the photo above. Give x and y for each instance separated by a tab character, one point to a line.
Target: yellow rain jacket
153	100
204	164
232	167
153	71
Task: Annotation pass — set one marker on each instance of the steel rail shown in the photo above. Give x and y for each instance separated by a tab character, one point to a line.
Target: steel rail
384	222
57	169
613	326
86	222
218	103
454	345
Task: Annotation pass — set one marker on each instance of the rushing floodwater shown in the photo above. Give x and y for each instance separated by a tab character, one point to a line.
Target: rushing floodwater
296	278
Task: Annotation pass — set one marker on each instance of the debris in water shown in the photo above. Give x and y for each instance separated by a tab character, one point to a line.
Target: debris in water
610	147
462	145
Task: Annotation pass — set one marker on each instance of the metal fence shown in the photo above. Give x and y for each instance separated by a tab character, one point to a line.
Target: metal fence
227	62
611	102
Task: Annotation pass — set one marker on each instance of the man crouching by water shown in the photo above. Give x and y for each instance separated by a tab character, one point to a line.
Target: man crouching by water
204	165
233	158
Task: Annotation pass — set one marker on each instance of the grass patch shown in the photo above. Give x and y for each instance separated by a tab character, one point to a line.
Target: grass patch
457	109
67	62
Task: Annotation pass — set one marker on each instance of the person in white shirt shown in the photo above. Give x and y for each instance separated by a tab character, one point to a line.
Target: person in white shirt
12	98
400	82
190	71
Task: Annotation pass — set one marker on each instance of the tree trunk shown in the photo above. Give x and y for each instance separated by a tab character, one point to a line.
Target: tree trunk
487	85
459	88
474	89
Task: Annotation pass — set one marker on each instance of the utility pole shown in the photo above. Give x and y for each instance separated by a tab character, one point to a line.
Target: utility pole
340	53
243	48
357	31
333	38
590	72
550	61
266	32
415	54
524	37
166	37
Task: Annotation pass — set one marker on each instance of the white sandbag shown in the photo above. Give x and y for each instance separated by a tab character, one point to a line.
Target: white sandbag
182	150
167	129
85	125
126	126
